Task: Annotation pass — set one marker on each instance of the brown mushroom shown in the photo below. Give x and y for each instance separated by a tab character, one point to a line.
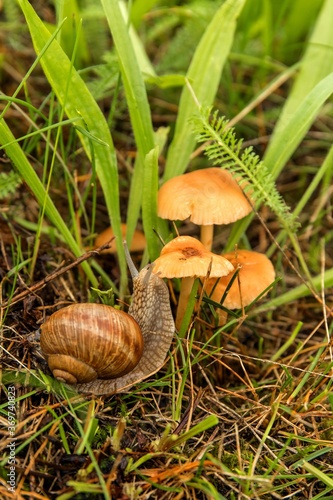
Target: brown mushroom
209	196
256	273
138	243
185	257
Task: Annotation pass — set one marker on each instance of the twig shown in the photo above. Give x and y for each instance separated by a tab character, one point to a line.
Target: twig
55	274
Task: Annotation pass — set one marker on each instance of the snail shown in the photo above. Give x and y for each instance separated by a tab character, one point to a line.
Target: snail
102	350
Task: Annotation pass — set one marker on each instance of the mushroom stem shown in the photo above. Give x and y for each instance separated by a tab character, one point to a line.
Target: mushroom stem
222	317
206	236
185	291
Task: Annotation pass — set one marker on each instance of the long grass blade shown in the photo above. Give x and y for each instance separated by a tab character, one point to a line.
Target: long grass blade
17	156
282	148
302	290
137	102
289	138
204	75
70	34
78	102
149	202
295	121
142	58
316	64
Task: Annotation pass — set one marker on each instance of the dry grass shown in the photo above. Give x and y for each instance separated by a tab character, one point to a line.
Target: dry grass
270	414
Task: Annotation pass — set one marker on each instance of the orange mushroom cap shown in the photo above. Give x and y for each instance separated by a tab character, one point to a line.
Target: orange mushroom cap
256	273
185	256
208	196
138	242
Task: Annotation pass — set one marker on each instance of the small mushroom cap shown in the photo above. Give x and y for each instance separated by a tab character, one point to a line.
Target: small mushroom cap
138	242
208	196
256	273
185	256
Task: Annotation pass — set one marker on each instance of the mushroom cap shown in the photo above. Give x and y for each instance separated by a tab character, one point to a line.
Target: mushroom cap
256	273
185	256
208	196
138	242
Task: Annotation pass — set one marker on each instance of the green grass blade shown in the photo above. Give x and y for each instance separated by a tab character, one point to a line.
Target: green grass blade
203	426
137	101
278	354
298	21
293	131
323	170
316	64
132	78
68	34
299	291
204	75
140	53
149	202
139	8
135	199
78	102
289	138
294	120
319	474
299	123
203	485
174	440
17	156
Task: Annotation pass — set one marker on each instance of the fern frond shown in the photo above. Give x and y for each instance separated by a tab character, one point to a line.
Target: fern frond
9	183
225	149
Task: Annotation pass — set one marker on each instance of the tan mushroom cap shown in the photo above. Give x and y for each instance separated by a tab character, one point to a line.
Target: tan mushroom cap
255	275
185	256
138	242
208	196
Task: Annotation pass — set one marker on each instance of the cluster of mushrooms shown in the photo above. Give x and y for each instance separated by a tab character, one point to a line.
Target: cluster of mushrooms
102	350
206	197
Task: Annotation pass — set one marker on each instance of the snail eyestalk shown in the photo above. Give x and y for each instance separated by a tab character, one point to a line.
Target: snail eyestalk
133	270
148	275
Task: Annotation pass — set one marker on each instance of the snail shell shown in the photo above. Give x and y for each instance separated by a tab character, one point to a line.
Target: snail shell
85	342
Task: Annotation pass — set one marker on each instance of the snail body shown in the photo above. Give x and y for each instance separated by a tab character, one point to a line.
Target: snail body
102	350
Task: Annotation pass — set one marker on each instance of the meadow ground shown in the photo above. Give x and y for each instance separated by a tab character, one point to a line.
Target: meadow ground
93	119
